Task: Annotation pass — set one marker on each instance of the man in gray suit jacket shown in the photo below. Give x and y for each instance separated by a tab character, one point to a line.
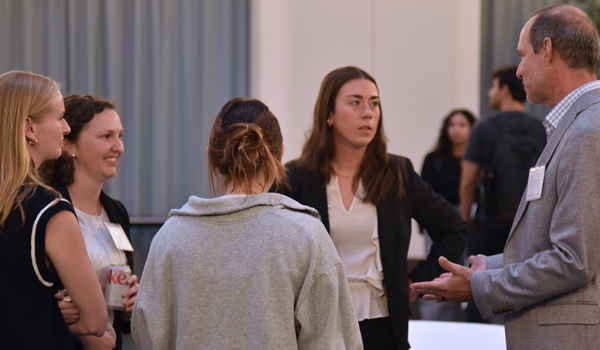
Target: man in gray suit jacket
547	282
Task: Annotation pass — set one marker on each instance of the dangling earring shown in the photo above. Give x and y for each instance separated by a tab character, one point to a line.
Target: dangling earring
329	122
33	142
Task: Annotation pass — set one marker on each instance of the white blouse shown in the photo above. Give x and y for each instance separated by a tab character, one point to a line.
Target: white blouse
101	249
354	234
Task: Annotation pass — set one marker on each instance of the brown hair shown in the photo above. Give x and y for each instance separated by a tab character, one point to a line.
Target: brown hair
79	111
22	95
378	175
245	146
574	37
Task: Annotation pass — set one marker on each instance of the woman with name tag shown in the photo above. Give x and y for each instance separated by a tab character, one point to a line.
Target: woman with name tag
89	158
366	198
41	247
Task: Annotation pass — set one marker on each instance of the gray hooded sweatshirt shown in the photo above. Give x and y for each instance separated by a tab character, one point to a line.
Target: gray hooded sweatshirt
237	272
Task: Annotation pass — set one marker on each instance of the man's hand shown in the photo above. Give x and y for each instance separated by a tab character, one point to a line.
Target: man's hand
452	286
67	307
477	262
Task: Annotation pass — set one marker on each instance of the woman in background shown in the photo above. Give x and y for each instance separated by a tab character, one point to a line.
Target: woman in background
90	156
366	199
41	246
249	269
441	169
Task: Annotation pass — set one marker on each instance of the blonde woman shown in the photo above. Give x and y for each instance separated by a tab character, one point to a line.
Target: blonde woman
40	241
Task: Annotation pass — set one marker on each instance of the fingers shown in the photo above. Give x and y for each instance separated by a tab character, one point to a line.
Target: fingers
131	291
433	297
132	280
478	262
426	287
455	269
61	294
133	288
130	294
69	311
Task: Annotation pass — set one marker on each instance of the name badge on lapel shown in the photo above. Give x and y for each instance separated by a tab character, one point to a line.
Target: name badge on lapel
535	183
119	237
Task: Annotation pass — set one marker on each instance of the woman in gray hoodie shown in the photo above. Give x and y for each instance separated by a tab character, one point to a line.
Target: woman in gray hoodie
249	269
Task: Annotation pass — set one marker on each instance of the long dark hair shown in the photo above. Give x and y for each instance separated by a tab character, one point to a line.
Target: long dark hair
378	175
444	146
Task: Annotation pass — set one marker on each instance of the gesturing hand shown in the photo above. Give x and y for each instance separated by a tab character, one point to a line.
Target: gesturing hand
452	286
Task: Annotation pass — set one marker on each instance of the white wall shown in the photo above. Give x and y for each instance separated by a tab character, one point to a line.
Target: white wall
424	55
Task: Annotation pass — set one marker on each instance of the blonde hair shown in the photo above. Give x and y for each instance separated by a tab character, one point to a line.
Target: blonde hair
22	95
245	146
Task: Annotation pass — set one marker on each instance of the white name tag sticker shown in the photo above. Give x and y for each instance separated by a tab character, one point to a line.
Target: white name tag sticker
535	183
119	237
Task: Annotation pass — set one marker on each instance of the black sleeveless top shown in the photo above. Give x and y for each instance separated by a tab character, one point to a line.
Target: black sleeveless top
29	313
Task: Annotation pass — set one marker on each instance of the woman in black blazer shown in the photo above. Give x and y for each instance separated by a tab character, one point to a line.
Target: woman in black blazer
346	173
90	156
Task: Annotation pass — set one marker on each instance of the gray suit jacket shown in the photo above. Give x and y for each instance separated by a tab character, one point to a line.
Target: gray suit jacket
547	282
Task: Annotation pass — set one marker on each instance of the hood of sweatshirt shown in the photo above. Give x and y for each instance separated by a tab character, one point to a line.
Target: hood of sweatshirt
225	205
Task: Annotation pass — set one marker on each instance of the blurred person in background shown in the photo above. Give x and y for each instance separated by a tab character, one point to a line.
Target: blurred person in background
441	169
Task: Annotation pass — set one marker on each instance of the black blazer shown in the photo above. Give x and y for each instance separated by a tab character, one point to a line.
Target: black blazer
443	223
117	214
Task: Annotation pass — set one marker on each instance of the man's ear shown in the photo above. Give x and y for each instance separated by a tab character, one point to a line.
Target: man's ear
505	91
548	51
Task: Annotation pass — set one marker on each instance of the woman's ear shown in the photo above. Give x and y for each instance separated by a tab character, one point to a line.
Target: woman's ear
68	147
29	129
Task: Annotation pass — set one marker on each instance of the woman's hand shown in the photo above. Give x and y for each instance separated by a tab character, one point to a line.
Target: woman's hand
105	342
131	295
67	307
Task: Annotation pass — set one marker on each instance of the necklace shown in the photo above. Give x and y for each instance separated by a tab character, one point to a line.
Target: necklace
87	210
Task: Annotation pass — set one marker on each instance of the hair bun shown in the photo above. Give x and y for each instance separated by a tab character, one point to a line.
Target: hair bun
245	146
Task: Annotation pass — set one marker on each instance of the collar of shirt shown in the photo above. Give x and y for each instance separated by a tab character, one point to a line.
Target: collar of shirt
553	118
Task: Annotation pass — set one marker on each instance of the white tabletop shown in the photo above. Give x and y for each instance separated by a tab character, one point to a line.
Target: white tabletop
440	335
